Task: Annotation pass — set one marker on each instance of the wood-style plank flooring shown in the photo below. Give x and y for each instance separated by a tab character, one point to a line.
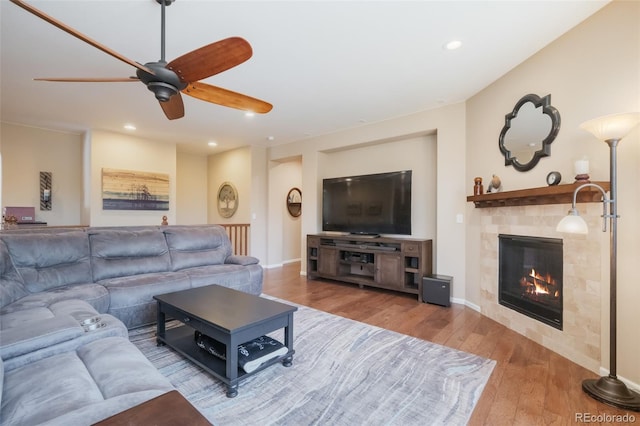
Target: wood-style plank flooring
530	385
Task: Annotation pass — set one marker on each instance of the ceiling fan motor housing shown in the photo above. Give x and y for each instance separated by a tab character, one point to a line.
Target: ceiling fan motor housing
164	84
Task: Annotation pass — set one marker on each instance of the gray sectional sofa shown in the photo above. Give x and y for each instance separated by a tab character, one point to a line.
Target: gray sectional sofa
68	298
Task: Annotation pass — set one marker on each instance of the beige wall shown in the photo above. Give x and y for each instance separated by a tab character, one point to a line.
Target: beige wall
284	231
246	169
27	151
416	153
117	151
191	189
391	145
592	70
233	167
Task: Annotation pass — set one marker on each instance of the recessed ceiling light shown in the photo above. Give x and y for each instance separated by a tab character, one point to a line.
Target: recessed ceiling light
130	127
270	138
249	114
453	45
212	143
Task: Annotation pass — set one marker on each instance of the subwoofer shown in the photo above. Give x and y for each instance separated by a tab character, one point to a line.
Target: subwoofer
436	289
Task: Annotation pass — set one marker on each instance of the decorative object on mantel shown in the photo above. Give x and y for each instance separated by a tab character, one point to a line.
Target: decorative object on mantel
227	200
164	221
495	185
554	178
581	168
610	129
45	190
294	202
478	189
528	132
555	194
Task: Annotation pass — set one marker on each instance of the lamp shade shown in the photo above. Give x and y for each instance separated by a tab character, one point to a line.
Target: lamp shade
573	224
615	126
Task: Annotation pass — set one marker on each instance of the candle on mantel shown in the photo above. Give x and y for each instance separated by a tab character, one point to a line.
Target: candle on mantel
581	167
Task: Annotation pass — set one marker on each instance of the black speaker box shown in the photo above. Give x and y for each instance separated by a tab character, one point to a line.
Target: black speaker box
436	289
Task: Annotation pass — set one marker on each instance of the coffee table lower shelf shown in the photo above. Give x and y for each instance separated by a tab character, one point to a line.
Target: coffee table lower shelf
182	340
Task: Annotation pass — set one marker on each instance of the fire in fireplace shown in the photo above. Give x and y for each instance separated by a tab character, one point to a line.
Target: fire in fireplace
530	277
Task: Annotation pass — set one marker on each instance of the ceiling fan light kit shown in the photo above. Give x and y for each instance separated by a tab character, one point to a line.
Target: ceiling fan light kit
168	80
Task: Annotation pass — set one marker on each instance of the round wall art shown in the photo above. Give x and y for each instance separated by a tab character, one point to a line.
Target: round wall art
227	200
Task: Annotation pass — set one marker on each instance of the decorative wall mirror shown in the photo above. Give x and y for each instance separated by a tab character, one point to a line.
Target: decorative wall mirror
528	132
294	202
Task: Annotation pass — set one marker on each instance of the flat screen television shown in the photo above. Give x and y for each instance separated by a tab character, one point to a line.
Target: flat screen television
368	204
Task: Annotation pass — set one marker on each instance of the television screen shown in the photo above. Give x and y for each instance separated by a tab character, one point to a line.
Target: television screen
368	204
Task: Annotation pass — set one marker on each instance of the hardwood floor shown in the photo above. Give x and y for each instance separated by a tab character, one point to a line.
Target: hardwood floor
530	385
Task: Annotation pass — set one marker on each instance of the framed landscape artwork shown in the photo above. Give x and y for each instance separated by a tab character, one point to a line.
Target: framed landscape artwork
133	190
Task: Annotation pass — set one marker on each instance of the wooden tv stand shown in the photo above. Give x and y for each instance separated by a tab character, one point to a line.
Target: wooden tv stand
392	263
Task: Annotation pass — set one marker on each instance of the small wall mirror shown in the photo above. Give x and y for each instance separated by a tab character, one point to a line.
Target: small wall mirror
528	132
294	202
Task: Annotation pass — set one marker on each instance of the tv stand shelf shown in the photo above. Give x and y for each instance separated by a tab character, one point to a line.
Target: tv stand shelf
392	263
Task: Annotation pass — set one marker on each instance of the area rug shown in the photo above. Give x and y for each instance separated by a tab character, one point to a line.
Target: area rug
344	372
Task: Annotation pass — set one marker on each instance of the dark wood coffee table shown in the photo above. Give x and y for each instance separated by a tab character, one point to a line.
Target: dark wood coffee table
228	316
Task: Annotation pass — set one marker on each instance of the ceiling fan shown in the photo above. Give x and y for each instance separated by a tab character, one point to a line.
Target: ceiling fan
182	75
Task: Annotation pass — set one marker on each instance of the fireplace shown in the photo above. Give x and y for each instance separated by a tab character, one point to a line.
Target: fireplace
530	277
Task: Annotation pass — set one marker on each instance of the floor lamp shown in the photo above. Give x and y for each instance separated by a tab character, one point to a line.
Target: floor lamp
610	129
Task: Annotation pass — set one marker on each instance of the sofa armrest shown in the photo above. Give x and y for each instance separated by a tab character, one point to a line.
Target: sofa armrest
241	260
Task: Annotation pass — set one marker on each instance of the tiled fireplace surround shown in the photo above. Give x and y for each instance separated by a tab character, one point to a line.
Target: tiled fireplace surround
585	281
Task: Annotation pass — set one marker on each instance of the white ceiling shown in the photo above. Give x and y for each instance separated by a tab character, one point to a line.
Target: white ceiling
324	65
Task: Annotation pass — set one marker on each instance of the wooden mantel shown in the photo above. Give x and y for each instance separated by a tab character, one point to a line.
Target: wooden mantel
558	194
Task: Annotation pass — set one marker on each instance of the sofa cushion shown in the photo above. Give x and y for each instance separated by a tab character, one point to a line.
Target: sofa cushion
31	334
36	334
139	289
46	261
11	285
91	383
197	246
119	253
78	309
132	297
232	276
109	326
94	294
242	260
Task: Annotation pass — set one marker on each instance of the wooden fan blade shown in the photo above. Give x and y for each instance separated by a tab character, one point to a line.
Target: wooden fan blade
88	80
73	32
174	107
211	59
224	97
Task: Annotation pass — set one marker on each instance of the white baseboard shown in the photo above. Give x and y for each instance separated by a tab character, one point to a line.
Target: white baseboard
275	265
466	303
281	264
472	306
